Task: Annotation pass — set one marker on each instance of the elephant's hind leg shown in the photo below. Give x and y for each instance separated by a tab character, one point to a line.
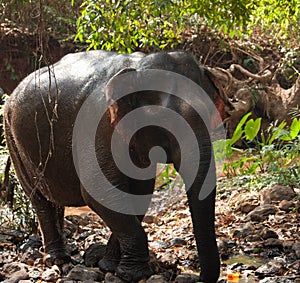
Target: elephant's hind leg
51	220
50	216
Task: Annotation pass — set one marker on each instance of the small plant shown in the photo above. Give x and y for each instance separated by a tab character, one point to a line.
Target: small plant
18	214
166	176
274	152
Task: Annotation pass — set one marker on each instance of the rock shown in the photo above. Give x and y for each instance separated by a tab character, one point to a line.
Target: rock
244	231
51	274
64	280
247	203
273	243
277	193
93	254
246	207
33	242
178	242
157	279
296	248
110	278
298	206
149	219
66	268
266	270
82	273
13	267
77	220
25	281
187	278
261	213
286	205
159	245
72	248
267	233
30	256
34	273
276	280
70	226
93	239
17	276
234	266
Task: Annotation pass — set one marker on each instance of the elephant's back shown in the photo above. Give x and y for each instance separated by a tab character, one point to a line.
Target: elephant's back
41	112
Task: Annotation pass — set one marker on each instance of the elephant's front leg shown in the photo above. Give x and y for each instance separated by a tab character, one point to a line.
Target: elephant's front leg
127	250
112	256
203	214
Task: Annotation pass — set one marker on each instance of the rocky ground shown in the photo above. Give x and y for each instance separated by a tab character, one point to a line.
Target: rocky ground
258	238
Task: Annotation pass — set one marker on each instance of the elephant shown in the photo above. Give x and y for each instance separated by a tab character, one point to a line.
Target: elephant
39	120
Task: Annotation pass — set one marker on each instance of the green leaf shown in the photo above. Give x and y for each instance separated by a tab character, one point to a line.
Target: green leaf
295	128
251	128
238	132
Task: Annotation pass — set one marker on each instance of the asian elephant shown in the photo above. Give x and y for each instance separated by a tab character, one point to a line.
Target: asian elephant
39	120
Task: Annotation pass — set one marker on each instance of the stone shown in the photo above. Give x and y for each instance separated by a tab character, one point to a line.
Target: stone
187	278
267	233
277	193
111	278
77	220
51	274
286	205
30	255
246	207
261	213
13	267
266	270
276	280
244	231
66	268
93	254
33	242
93	239
82	273
17	276
70	226
157	279
247	203
178	242
149	219
65	280
34	273
273	243
296	248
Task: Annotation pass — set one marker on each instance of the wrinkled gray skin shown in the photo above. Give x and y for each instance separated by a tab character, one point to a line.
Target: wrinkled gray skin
41	151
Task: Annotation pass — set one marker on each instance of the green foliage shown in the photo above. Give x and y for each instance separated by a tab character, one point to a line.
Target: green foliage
166	176
274	152
229	16
127	25
277	16
57	18
20	215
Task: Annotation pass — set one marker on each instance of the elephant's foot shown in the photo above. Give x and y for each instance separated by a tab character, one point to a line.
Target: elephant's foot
134	273
108	265
56	258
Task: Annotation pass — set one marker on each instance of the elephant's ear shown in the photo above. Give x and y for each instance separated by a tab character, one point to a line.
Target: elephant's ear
109	94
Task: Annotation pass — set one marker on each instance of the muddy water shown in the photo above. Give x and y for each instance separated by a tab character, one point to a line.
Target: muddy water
246	260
